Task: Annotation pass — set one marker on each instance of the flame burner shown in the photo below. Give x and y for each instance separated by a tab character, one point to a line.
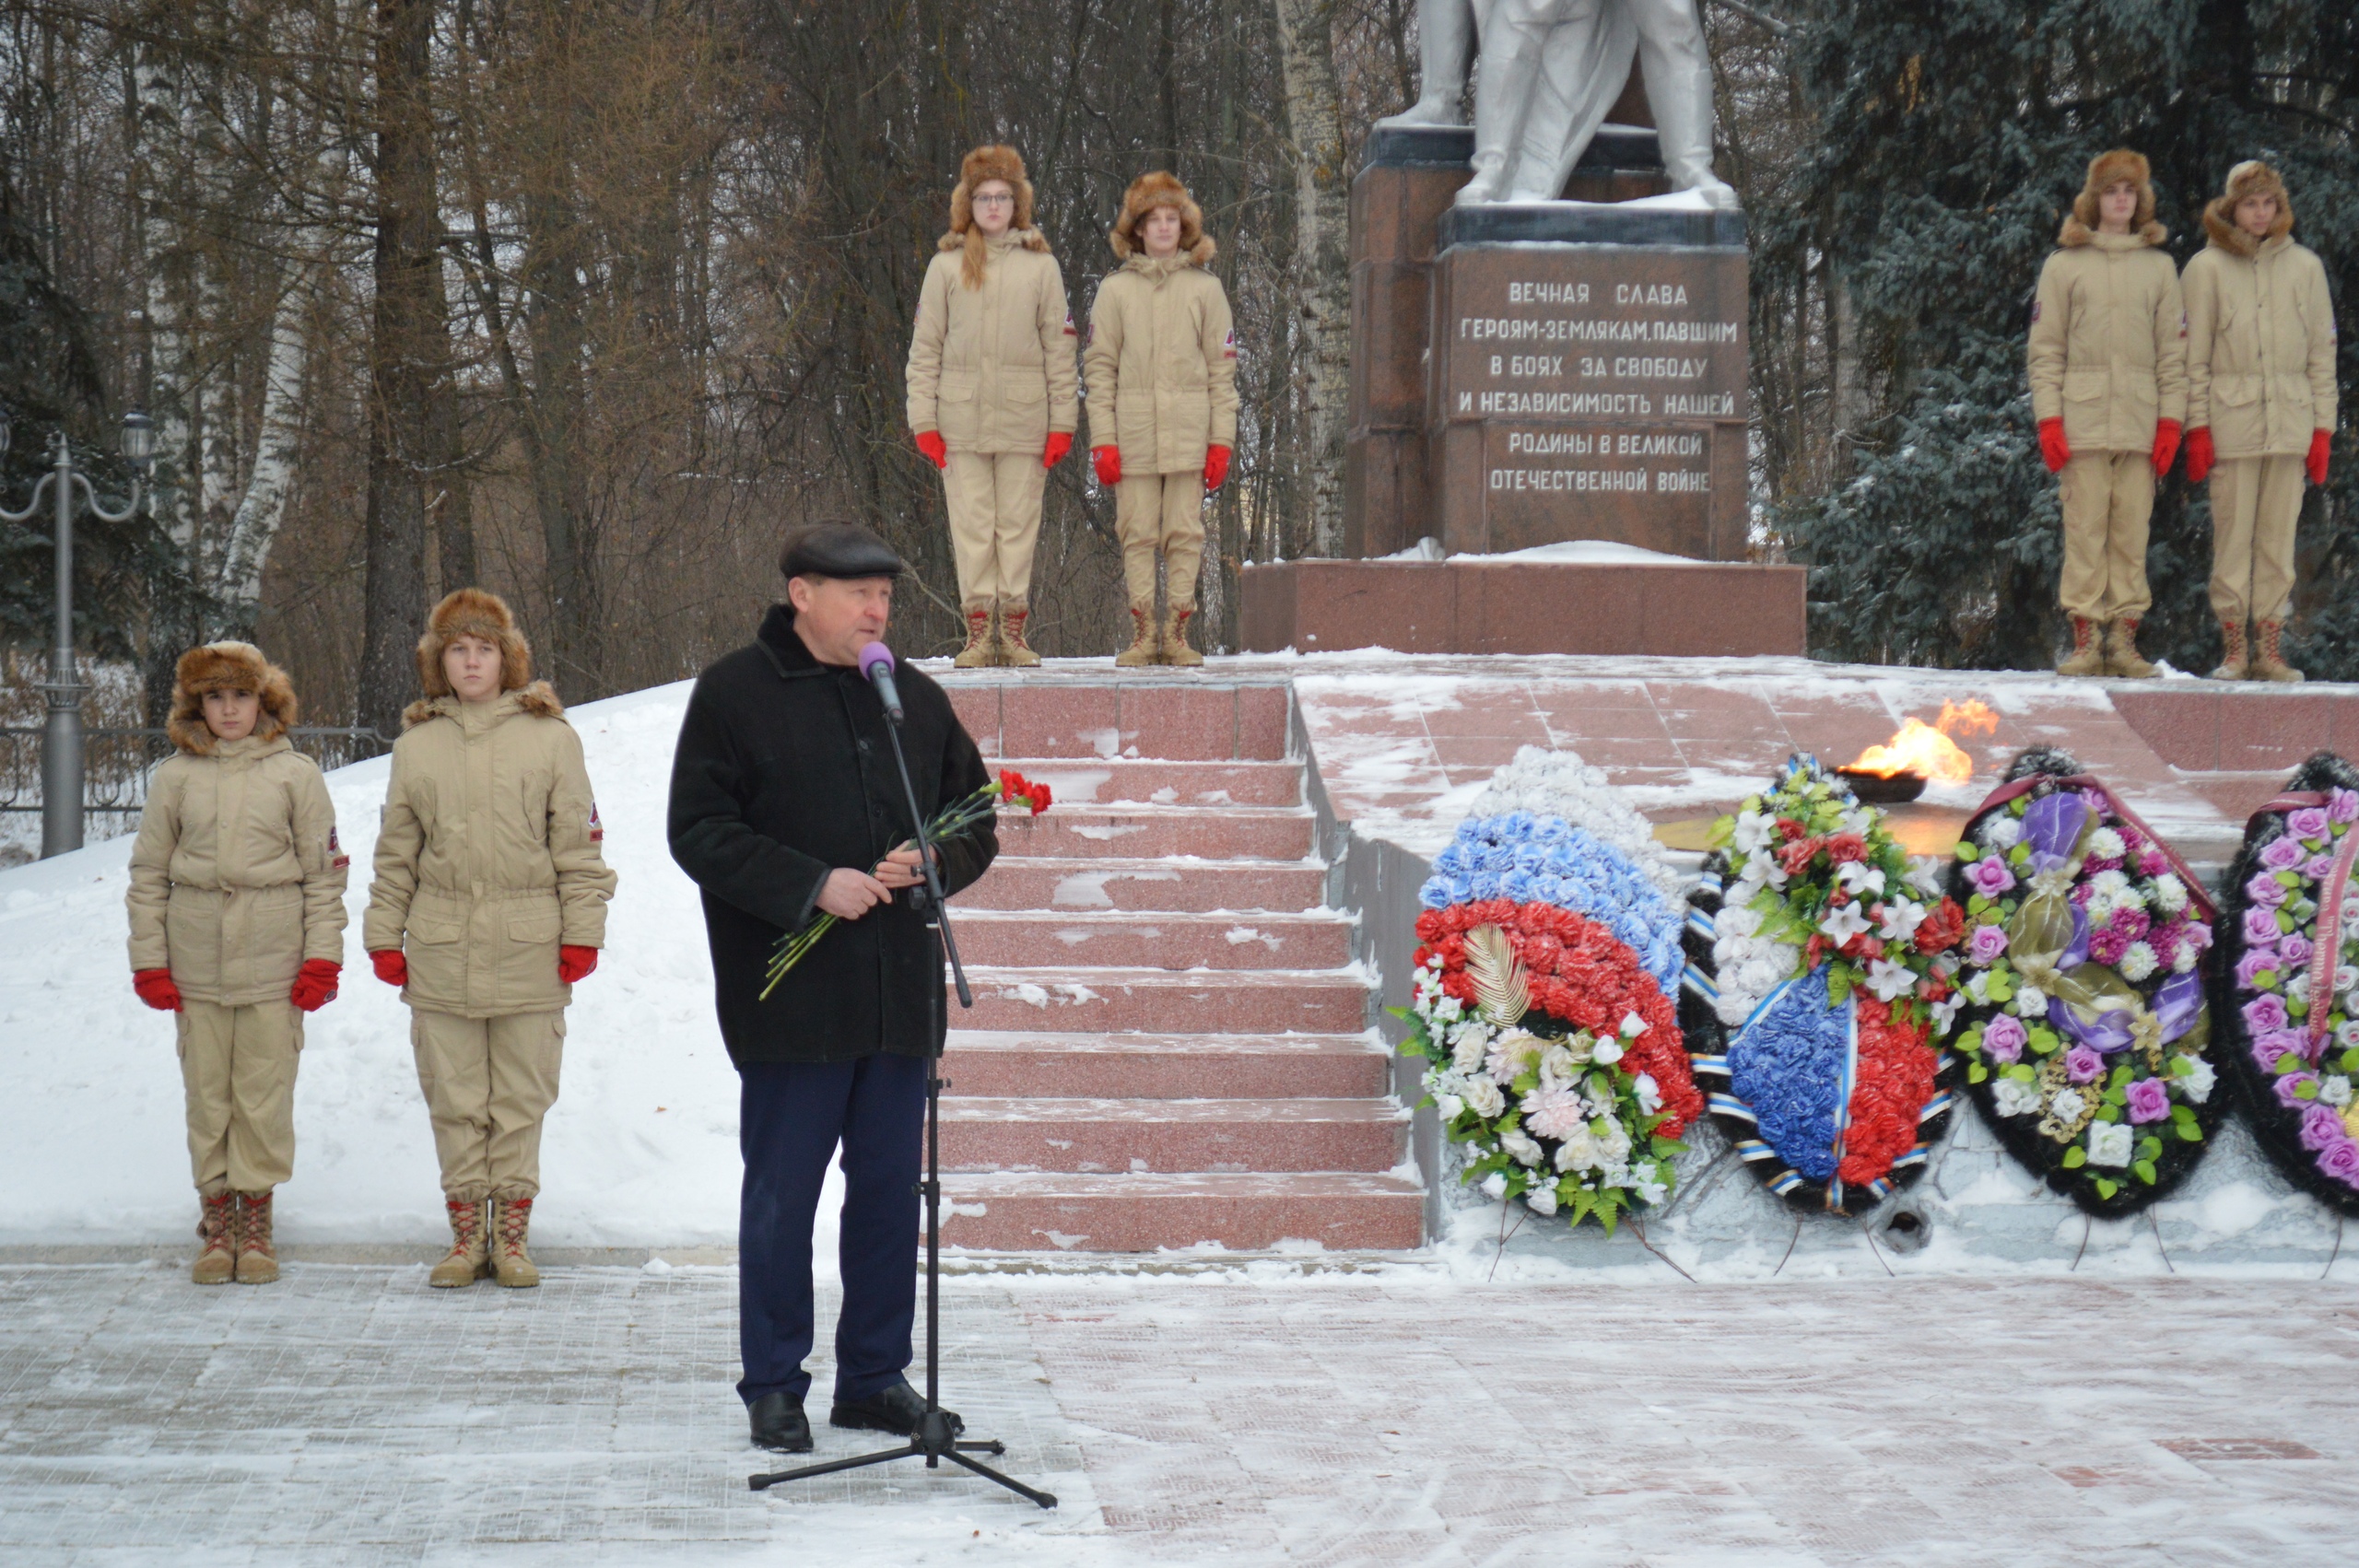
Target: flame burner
1918	753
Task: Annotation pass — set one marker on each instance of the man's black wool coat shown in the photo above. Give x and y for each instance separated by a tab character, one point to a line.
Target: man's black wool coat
784	772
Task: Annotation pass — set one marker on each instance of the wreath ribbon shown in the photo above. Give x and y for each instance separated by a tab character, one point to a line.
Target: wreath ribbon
2326	950
2120	808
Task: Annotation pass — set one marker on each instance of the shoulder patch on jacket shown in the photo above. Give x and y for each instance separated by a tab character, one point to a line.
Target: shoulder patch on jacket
597	828
1069	332
1229	344
2035	309
337	859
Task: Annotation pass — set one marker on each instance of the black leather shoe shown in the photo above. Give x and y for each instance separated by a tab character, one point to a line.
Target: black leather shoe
896	1409
780	1424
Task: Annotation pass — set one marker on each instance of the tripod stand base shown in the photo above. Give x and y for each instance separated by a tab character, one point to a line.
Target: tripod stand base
956	1453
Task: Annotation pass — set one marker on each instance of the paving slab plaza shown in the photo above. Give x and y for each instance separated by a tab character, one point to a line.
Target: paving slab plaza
349	1416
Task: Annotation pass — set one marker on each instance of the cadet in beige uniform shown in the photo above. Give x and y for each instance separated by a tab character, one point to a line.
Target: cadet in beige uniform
991	387
237	924
2108	387
1162	370
2261	407
489	902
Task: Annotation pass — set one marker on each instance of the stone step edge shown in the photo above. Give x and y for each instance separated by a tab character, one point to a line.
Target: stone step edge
1135	1185
1029	1110
1316	916
1148	1042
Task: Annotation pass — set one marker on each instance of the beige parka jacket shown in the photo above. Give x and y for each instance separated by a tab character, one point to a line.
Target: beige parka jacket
2109	339
488	858
992	366
236	876
1161	364
2260	340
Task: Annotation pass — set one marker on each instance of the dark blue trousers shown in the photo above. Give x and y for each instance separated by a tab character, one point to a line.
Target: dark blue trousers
791	1116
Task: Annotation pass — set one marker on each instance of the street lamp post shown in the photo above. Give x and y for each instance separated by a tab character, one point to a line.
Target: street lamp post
61	739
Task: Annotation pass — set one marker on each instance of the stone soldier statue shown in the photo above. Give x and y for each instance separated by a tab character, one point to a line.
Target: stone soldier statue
1549	71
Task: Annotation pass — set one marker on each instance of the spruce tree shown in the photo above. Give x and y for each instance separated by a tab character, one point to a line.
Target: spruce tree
1952	138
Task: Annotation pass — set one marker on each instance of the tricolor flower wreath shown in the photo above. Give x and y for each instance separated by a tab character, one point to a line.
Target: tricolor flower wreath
2083	1027
1834	954
1544	1009
2287	982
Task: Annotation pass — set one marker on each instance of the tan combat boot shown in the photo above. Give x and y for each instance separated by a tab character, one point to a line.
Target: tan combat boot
257	1259
2268	663
216	1227
2087	657
511	1219
2121	656
977	651
1013	649
1174	637
2234	665
1142	649
469	1258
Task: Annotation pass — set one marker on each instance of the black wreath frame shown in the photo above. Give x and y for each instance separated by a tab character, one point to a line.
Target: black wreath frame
2277	1128
2042	1156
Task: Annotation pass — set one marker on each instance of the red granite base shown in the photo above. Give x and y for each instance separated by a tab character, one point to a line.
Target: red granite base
1703	609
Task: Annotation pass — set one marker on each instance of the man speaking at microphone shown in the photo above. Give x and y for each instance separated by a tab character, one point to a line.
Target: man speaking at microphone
786	804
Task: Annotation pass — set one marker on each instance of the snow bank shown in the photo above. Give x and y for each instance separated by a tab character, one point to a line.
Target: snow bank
641	1149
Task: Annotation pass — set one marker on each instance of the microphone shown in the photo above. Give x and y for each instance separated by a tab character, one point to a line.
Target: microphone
877	664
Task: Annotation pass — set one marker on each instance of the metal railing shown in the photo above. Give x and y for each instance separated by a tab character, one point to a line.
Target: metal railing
118	764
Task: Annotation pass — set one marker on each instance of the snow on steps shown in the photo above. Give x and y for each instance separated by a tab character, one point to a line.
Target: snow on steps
1171	1044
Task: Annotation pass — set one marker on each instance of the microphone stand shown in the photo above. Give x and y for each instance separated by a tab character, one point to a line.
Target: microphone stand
934	1439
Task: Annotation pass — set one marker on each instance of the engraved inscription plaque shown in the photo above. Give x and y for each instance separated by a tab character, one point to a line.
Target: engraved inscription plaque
1589	392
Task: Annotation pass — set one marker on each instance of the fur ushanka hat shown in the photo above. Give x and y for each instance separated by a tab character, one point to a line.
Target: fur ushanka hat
983	164
473	613
1149	191
227	667
2105	170
2252	178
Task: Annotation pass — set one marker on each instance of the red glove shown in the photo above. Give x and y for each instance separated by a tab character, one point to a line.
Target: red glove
1215	466
391	966
2165	445
2199	454
575	963
1059	443
2319	441
156	988
1109	465
315	984
930	443
2054	450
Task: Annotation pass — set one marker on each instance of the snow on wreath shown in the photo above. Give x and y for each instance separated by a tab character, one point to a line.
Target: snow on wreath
2287	985
1549	967
1834	952
2083	1025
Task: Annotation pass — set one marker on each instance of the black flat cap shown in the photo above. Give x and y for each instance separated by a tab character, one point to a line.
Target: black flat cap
838	549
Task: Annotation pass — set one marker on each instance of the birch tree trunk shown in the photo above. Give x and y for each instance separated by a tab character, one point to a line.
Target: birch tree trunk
1322	253
254	527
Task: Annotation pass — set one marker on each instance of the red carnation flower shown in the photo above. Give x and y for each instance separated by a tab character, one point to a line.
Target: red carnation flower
1942	928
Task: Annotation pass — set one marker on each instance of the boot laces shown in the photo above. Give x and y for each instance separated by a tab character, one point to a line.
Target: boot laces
216	1222
515	1220
254	1224
466	1228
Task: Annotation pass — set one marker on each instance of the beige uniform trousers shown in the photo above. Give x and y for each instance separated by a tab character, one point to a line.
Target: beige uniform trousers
2255	502
2109	499
1166	512
488	1081
994	503
238	1064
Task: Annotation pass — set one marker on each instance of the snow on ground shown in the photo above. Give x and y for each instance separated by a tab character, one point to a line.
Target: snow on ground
1411	1415
641	1149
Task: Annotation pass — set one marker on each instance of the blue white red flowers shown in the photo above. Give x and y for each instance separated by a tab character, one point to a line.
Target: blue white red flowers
1544	1006
1834	952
